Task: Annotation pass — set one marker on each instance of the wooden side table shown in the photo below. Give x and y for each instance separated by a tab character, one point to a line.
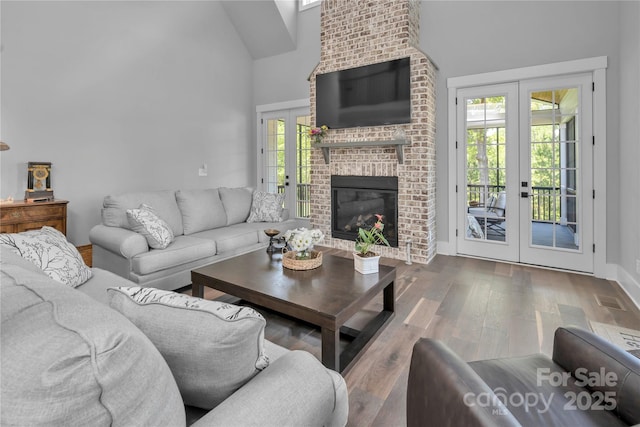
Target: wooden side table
22	216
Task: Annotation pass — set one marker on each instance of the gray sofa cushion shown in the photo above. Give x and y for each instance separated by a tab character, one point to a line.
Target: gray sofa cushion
232	237
69	360
237	203
201	210
114	212
277	397
100	281
184	249
212	348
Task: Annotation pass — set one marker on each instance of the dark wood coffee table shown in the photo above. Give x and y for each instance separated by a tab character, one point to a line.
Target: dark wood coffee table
327	296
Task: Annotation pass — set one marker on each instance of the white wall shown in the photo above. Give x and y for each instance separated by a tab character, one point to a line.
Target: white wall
123	96
283	77
628	219
474	37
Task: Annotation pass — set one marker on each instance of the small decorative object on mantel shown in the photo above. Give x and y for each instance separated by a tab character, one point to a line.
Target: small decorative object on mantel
318	134
300	255
39	182
364	260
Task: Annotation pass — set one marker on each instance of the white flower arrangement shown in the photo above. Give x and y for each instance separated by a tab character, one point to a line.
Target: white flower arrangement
301	240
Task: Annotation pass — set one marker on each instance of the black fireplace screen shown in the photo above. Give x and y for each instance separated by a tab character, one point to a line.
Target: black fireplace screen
355	202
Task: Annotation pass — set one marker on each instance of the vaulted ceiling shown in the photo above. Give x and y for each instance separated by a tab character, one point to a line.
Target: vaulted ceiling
267	27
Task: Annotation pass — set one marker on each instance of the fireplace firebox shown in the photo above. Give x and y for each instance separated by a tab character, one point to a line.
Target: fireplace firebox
355	202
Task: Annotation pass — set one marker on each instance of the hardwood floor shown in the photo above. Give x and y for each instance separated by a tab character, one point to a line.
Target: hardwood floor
481	309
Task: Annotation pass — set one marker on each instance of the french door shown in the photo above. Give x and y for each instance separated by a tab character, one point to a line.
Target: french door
525	172
286	157
487	171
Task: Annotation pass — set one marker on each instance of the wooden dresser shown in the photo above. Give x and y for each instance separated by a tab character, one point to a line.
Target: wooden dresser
22	216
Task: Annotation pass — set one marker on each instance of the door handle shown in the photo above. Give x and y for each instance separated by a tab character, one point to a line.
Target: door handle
286	184
524	194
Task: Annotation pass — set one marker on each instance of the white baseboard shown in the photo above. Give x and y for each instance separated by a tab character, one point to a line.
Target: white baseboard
628	284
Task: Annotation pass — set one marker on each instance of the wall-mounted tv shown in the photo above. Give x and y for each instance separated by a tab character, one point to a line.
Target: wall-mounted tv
373	95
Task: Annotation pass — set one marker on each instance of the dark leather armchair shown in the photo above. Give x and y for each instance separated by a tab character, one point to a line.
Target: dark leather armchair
587	382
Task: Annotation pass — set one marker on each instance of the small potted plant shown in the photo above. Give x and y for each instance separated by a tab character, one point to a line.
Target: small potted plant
364	260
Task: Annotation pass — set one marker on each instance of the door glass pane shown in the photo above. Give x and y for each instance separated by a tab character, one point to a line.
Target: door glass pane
554	143
303	166
288	160
486	168
275	177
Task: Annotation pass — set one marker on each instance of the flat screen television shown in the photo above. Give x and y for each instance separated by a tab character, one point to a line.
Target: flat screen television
372	95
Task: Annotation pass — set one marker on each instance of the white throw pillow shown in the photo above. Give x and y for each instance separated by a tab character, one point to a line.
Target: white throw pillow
144	221
213	348
49	249
266	207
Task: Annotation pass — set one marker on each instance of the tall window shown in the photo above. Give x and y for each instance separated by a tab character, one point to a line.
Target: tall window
306	4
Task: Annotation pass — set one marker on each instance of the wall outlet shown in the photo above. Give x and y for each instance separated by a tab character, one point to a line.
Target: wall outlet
203	170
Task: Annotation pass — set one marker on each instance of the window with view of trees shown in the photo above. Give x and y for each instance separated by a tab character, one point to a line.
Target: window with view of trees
486	148
553	152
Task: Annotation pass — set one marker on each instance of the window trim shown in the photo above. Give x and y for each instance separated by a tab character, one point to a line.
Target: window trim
307	4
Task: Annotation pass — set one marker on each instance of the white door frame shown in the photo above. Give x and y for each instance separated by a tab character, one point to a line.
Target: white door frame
597	66
265	108
288	110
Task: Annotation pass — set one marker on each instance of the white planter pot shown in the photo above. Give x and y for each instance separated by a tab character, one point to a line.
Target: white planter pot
366	265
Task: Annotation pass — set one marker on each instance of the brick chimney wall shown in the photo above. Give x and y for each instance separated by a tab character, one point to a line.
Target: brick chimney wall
354	33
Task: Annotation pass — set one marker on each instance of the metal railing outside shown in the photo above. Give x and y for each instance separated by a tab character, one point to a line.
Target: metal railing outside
303	199
543	205
478	194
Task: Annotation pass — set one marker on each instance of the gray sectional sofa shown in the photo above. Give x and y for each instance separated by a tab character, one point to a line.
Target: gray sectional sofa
209	225
69	360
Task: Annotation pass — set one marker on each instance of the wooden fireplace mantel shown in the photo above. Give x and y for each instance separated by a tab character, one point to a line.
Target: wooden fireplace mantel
398	143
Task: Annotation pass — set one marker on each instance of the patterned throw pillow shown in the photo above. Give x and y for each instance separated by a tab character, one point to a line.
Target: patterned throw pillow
51	252
144	221
266	207
213	348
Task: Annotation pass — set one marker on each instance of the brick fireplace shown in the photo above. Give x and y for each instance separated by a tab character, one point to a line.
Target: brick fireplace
362	32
